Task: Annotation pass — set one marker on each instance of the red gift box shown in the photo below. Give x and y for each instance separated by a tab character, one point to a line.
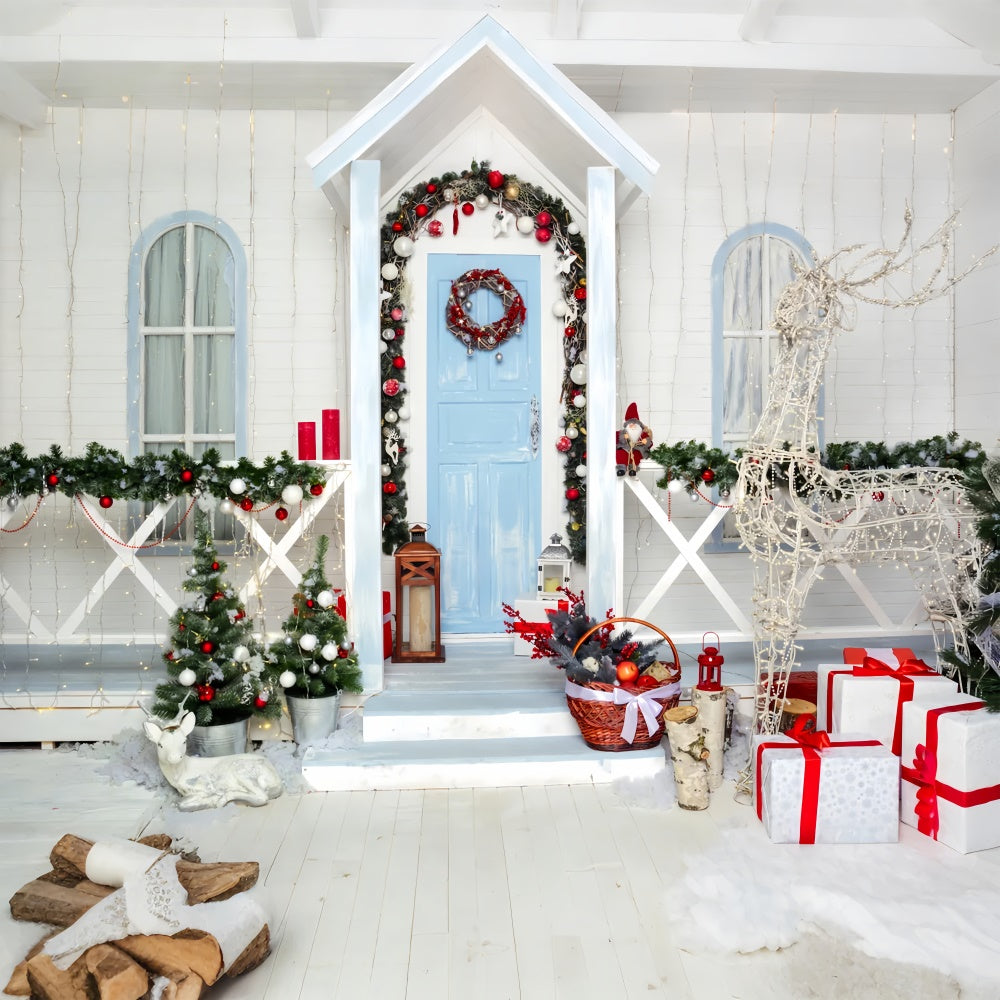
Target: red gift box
857	654
802	684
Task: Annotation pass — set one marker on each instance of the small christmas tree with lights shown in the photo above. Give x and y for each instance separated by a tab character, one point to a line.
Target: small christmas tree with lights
214	663
314	658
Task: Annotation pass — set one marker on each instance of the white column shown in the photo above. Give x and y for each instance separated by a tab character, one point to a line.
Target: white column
603	530
363	543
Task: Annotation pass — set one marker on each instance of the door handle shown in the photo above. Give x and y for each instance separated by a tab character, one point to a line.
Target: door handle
535	433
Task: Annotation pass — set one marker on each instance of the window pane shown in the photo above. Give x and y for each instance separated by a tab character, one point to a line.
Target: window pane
163	385
781	271
212	277
163	285
214	384
742	391
741	287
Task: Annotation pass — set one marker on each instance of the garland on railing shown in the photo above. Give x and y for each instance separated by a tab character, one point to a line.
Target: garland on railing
694	465
105	473
534	213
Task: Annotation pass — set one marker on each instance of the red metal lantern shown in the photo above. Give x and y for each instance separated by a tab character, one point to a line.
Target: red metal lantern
710	662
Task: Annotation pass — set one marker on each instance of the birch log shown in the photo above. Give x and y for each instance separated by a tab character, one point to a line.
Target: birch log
711	707
688	753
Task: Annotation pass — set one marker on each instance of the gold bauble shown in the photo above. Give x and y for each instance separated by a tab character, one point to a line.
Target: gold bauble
575	526
512	190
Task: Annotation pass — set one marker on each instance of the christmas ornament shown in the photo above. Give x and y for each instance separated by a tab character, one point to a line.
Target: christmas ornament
559	308
570	331
390	387
187	476
397	226
391	416
187	677
572	431
325	599
707	476
563	443
578	374
468	208
431	188
490	337
404	412
495	179
105	502
390	272
13	501
207	647
307	641
246	504
403	246
260	701
52	479
388	335
205	692
572	493
226	506
316	489
512	190
389	488
399	362
286	678
421	211
239	615
396	314
313	668
878	495
292	494
581	471
385	470
579	400
281	514
237	486
579	293
329	651
482	201
216	567
241	654
573	229
543	235
544	218
525	224
435	227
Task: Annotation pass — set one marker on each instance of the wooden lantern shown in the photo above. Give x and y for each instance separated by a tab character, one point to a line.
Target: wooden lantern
418	601
554	563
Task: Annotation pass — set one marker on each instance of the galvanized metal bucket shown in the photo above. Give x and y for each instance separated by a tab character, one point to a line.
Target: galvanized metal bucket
313	719
218	741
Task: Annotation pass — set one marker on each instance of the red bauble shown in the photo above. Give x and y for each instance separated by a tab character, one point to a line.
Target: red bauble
468	208
281	514
707	476
205	692
572	493
421	210
52	479
246	504
495	179
397	227
878	495
310	603
389	488
216	567
218	595
435	227
570	331
390	386
240	615
399	362
543	218
105	502
181	627
431	188
316	489
543	235
207	647
343	653
563	443
259	702
187	476
169	654
400	331
579	293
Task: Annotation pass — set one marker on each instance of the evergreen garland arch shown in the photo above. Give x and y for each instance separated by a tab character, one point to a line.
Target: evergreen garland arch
433	208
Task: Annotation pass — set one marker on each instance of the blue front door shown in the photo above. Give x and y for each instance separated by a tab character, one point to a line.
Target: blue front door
483	467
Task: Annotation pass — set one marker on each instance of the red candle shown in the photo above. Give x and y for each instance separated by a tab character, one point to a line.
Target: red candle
331	434
307	441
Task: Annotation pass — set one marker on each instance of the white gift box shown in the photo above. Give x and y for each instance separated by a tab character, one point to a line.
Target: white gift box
534	612
950	787
843	794
860	702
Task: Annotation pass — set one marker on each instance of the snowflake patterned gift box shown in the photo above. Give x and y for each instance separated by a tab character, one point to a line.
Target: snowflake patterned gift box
815	788
950	778
868	696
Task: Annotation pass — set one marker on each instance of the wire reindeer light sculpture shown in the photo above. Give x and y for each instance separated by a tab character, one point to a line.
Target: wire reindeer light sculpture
796	516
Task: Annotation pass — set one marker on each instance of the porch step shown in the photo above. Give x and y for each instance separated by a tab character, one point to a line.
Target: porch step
476	763
396	715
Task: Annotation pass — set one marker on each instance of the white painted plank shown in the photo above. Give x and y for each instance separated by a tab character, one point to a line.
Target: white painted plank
461	891
430	910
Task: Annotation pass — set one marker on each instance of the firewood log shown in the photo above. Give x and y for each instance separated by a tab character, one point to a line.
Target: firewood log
203	882
689	756
711	707
17	985
116	975
49	983
253	954
178	955
49	903
189	988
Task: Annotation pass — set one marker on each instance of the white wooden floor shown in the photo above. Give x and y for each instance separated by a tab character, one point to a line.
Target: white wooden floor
550	892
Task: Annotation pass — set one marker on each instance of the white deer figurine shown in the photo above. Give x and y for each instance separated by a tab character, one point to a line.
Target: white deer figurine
796	516
209	782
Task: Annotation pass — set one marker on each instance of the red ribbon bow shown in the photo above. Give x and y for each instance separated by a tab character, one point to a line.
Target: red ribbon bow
926	809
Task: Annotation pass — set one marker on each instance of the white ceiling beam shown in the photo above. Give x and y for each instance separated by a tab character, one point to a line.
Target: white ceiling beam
757	20
974	22
20	101
566	18
306	16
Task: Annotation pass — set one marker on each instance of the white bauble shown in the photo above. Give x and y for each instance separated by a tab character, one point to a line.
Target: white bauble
403	246
390	272
581	471
325	599
237	486
448	194
241	654
329	651
525	224
313	668
226	506
385	471
388	333
572	228
578	373
572	431
580	400
676	485
559	308
308	642
187	677
292	493
391	416
383	347
482	200
404	412
286	678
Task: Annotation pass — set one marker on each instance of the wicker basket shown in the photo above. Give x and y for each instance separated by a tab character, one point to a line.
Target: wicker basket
606	725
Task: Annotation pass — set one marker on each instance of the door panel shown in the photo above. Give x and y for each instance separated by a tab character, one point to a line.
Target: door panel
483	474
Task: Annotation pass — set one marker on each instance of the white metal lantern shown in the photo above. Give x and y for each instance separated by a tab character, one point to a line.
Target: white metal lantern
554	563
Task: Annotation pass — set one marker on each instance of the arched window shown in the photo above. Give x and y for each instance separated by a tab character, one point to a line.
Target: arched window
187	365
749	272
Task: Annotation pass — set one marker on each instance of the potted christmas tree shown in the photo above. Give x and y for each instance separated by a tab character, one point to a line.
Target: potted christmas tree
313	661
214	663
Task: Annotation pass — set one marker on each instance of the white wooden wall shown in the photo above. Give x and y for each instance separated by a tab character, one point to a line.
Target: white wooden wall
75	196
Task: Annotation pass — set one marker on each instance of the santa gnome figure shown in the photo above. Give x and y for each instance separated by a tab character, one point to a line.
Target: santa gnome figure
632	442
